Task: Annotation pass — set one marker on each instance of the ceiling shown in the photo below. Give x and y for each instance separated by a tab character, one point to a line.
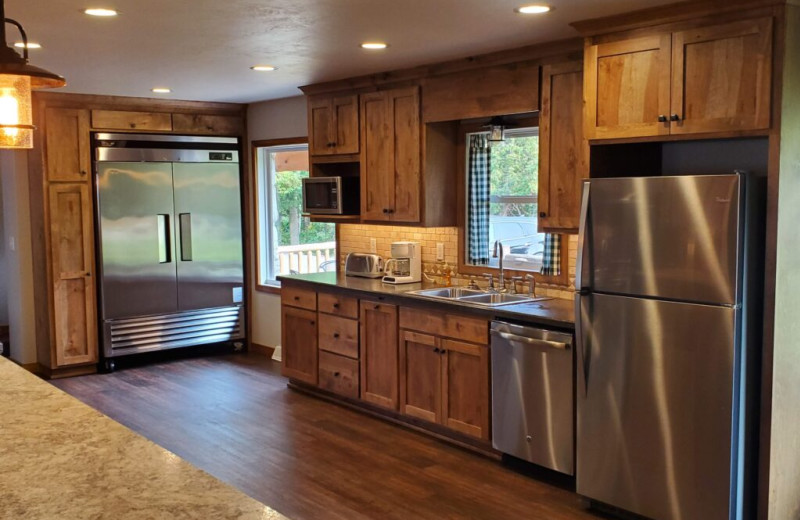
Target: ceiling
203	49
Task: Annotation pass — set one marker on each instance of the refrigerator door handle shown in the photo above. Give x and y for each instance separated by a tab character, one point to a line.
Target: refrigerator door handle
582	230
164	250
186	236
583	369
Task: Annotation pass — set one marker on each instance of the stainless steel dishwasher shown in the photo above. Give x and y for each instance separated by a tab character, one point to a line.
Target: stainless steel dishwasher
532	395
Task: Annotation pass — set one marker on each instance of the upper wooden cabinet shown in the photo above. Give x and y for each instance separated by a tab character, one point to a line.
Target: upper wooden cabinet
563	151
701	80
391	181
206	124
333	125
67	144
125	120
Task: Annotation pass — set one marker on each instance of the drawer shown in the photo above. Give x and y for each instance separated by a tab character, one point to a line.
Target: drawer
338	374
296	297
338	335
338	305
474	330
123	120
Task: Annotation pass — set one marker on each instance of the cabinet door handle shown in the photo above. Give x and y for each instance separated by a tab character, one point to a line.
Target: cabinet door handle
336	335
313	323
88	274
83	172
336	374
662	119
542	215
377	307
297	298
133	125
674	117
335	305
436	350
442	351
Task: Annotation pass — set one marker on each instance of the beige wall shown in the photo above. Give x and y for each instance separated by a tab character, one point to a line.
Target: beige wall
270	120
19	259
356	238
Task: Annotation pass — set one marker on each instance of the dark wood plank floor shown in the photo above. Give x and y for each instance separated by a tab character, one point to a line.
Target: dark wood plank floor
234	417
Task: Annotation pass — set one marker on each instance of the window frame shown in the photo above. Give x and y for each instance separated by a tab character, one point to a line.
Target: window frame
258	219
470	127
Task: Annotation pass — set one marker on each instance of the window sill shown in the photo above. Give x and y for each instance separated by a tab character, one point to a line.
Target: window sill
269	288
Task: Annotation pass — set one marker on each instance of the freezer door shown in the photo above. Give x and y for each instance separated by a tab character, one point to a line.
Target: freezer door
209	235
135	229
665	237
655	404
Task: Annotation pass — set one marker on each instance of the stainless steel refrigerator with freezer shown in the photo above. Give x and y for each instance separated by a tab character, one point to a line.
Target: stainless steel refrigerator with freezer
668	298
170	241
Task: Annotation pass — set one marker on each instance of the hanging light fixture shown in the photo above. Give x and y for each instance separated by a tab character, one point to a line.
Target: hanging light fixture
17	79
497	129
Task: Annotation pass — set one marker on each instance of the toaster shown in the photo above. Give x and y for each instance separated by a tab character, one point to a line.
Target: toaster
365	265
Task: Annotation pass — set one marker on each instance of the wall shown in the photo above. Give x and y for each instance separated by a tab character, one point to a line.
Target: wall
356	238
274	119
19	259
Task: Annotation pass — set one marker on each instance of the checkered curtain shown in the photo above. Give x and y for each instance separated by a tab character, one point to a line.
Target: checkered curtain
551	263
478	213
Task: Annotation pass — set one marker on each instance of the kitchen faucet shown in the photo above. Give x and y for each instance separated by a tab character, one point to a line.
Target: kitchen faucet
498	244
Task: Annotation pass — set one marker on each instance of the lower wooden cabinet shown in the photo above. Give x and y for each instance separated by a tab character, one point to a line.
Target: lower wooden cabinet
338	374
299	344
379	354
421	376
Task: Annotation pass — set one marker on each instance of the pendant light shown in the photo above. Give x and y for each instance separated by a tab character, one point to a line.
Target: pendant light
17	79
497	129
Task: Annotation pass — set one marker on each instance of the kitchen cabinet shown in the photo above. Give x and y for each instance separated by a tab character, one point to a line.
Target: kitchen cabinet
391	181
379	354
338	374
73	274
130	120
700	80
67	145
204	124
333	124
299	344
443	379
563	151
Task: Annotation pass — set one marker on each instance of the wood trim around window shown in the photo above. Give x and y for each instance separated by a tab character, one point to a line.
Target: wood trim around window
477	270
254	146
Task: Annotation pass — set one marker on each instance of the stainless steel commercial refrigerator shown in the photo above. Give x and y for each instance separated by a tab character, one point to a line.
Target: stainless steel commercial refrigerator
170	241
668	329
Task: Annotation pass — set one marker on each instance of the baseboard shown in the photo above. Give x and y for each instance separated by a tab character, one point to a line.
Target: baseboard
58	373
262	349
276	356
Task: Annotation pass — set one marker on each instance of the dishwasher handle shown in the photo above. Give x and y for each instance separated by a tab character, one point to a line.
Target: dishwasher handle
543	343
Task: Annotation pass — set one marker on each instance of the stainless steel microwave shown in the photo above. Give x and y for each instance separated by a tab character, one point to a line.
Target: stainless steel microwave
331	195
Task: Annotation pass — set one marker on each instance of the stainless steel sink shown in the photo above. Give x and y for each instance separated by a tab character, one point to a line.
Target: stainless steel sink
495	299
450	293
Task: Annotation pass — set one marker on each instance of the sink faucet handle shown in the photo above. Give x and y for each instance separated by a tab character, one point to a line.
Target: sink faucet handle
472	284
490	277
514	281
532	280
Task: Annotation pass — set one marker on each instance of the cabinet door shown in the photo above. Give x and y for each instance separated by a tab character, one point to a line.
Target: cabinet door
563	151
379	353
627	88
72	258
299	344
320	121
207	124
465	394
421	376
721	77
126	120
345	124
377	168
67	144
404	114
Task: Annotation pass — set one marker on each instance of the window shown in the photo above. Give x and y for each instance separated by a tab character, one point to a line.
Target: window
288	242
502	185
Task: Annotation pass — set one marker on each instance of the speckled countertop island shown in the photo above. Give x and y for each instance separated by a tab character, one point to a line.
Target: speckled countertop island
61	459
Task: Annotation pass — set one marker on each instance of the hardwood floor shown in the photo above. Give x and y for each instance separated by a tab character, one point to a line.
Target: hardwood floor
234	417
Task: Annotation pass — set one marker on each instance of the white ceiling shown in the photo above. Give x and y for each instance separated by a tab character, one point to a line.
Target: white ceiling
203	49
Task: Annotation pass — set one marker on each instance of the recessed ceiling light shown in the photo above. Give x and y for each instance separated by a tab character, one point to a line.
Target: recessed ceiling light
373	46
162	90
533	9
100	11
31	45
263	68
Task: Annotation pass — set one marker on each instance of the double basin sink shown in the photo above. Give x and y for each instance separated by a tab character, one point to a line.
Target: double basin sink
476	296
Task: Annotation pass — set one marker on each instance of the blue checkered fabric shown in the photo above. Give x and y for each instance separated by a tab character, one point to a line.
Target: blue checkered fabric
478	212
551	262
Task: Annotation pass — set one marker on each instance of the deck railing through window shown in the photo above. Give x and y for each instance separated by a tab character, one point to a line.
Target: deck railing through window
307	258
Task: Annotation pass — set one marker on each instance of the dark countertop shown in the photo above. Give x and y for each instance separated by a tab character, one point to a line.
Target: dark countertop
555	313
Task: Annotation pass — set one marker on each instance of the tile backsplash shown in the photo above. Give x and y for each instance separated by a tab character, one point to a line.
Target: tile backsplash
356	238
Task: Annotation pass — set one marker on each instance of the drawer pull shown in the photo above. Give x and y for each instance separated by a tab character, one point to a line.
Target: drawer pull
377	307
297	298
335	335
336	374
313	322
335	305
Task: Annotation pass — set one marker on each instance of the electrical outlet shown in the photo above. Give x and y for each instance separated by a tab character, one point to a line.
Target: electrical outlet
373	245
439	251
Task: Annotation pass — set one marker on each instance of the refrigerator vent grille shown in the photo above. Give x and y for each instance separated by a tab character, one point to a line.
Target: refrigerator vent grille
176	330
